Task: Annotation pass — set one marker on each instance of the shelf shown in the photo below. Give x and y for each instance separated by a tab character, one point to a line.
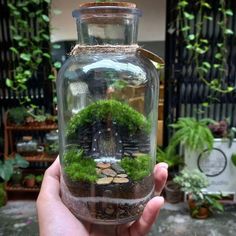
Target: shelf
34	128
39	157
21	189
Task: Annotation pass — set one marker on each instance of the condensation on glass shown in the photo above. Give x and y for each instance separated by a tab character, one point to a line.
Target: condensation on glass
107	105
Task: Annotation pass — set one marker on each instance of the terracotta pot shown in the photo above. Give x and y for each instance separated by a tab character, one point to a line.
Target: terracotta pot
29	183
198	212
173	194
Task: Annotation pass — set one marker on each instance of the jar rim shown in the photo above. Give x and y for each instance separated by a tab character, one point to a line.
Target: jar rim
107	8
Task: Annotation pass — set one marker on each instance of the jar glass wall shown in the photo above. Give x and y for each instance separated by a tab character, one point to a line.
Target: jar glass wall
107	105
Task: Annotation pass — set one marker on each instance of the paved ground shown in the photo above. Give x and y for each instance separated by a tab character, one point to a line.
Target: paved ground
19	218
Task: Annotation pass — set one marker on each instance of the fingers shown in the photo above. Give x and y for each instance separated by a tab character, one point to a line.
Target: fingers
51	181
151	211
160	176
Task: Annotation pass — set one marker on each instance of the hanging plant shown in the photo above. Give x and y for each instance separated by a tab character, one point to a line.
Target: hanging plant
28	49
198	45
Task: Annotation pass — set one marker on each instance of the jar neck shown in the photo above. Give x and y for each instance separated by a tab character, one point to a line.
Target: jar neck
107	25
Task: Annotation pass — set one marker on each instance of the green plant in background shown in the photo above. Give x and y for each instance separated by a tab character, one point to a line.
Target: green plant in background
193	134
169	156
3	195
8	167
28	48
233	158
78	167
193	182
39	179
29	176
137	168
17	115
105	110
191	27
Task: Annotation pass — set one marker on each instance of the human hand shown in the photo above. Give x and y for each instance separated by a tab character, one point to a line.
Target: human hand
56	219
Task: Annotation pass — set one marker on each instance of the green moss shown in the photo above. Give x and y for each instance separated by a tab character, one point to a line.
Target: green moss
78	167
105	110
137	168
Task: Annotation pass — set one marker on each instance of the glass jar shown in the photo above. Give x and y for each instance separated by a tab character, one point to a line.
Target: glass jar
107	105
27	145
52	143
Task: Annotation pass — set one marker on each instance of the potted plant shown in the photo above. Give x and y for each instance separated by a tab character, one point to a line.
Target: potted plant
17	115
12	167
29	181
193	182
39	179
172	191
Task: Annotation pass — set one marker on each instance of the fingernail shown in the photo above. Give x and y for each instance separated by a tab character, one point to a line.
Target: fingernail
163	165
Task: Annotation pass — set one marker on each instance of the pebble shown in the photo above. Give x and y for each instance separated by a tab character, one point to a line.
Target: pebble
117	168
120	180
104	181
109	172
102	165
122	175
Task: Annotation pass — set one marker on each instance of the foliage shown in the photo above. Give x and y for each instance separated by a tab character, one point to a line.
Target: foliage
17	115
193	134
137	168
197	43
28	48
105	110
169	156
39	179
2	195
233	158
7	168
191	181
29	176
78	167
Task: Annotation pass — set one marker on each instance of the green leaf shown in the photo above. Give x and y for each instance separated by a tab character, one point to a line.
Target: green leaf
51	77
206	64
45	18
14	50
182	3
229	31
17	37
210	18
191	37
233	159
205	104
229	12
9	83
56	46
26	57
218	56
230	89
46	55
207	5
57	64
188	16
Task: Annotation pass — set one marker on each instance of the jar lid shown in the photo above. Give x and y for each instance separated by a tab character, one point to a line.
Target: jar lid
106	8
117	4
27	138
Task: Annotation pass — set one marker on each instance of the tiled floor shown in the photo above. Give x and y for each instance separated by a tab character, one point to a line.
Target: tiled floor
19	218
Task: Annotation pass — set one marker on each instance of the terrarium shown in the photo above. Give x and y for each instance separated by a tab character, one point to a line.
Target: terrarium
107	105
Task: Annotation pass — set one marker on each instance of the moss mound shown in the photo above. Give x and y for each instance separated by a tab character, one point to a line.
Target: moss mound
137	168
78	167
105	110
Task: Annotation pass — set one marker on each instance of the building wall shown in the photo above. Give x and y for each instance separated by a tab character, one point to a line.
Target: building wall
152	23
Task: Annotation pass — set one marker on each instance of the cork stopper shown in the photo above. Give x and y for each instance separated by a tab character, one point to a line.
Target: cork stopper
109	4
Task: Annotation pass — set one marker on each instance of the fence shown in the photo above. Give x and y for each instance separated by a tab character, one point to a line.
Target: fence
184	92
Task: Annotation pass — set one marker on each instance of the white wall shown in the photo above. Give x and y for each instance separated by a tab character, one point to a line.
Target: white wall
151	28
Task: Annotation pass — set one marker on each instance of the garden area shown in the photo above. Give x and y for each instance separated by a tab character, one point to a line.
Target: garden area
112	109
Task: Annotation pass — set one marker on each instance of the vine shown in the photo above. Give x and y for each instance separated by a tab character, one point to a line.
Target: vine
28	49
199	45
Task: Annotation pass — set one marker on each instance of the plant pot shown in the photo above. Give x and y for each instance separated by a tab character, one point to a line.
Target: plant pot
173	194
29	183
198	212
16	177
